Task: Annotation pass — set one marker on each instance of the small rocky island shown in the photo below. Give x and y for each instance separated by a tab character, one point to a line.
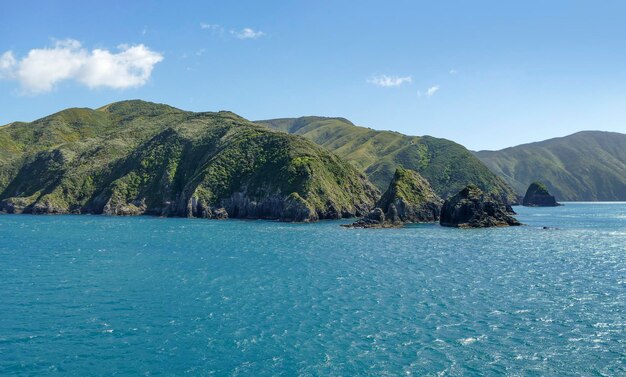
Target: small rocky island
471	208
537	195
409	199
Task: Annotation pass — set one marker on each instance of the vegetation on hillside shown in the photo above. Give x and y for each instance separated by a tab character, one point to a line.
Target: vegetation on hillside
136	157
585	166
446	165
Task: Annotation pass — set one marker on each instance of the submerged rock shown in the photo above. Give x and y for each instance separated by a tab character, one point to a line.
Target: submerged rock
471	208
409	199
537	195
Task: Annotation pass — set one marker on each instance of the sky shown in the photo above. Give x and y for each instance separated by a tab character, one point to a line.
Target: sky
486	74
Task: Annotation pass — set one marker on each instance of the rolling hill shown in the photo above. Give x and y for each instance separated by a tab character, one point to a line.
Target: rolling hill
136	157
447	166
585	166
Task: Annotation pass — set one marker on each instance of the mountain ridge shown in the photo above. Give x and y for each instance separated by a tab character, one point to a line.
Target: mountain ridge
448	166
136	157
583	166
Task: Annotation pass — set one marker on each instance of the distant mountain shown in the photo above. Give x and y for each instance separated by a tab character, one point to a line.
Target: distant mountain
585	166
447	166
136	157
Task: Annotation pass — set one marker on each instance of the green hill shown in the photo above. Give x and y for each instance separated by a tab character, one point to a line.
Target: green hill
135	157
410	198
447	166
585	166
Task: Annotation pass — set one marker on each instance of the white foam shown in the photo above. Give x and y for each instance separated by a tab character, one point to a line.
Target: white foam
468	341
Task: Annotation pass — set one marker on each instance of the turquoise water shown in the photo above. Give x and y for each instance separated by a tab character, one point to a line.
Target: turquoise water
94	295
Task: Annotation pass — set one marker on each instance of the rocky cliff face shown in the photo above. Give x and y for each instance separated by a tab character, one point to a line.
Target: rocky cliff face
471	208
408	199
133	158
537	195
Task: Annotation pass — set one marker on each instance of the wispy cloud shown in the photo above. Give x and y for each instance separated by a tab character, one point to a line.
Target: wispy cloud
210	26
453	71
41	69
7	63
247	33
432	90
389	81
429	92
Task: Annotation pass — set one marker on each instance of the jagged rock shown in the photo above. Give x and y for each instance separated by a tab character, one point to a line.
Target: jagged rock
471	208
374	219
136	207
409	199
377	215
537	195
298	209
21	205
47	208
392	214
219	214
10	206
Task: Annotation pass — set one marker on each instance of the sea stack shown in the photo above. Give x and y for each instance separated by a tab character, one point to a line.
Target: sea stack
471	208
537	195
408	199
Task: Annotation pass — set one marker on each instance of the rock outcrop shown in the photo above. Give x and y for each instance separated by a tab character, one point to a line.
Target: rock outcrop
537	195
471	208
408	199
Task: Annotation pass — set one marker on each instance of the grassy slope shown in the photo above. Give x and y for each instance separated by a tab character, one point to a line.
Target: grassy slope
448	166
408	186
136	156
589	165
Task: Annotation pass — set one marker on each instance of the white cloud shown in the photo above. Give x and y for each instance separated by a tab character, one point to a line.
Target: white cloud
210	26
453	71
432	90
7	62
247	33
389	81
41	69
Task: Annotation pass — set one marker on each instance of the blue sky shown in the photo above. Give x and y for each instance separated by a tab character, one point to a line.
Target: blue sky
487	74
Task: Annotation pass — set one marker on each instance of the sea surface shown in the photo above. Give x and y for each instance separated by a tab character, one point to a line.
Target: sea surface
127	296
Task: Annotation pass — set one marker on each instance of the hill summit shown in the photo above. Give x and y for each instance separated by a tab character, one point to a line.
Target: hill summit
136	157
446	165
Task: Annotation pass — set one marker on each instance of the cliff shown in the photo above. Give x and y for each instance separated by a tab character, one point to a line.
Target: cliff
408	199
